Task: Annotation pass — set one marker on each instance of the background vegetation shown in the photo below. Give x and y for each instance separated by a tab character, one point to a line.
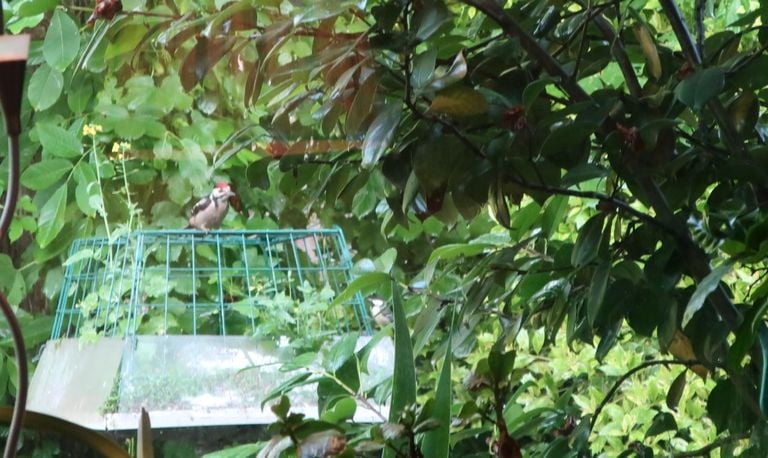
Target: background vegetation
552	176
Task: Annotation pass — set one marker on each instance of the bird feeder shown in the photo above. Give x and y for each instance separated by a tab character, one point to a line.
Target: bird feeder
194	326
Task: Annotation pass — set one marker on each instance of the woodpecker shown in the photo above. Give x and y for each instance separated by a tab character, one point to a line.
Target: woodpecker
209	212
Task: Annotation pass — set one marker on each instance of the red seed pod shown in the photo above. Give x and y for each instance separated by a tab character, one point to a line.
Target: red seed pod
105	9
277	149
631	137
514	118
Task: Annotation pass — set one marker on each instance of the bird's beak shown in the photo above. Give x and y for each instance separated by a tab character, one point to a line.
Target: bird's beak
230	194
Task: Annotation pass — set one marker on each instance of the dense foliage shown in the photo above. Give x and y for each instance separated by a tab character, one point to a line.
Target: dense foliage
560	172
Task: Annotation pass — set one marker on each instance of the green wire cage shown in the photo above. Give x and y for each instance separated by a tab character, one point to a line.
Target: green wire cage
217	283
194	326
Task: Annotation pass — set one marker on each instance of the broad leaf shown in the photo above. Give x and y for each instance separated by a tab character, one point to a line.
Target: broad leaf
52	217
62	41
44	87
699	88
57	141
380	134
703	289
588	240
45	173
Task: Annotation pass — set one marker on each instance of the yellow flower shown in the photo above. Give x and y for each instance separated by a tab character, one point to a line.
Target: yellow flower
92	129
115	147
125	146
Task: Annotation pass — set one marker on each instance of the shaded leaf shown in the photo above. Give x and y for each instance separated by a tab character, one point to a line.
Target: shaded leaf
597	291
404	378
699	88
662	422
52	217
587	241
703	289
675	392
380	134
455	73
650	52
459	101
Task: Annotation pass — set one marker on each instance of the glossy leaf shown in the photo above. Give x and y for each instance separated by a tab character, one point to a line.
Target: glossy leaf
652	60
703	289
380	134
404	379
597	291
43	174
587	241
675	392
62	41
52	217
699	88
459	101
44	87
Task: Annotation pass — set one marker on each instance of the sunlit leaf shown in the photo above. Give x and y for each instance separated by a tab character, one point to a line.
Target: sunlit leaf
62	41
44	87
45	173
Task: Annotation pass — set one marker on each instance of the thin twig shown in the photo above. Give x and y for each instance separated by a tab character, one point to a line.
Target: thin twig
491	9
709	448
675	17
630	373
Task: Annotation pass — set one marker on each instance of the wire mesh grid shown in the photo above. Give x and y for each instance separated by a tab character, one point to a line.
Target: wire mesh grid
216	283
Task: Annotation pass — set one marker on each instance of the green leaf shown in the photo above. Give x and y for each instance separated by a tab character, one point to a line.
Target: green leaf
703	289
380	134
554	211
125	41
566	141
662	422
423	68
532	91
340	352
45	173
363	284
428	19
699	88
585	249
675	392
597	291
404	378
342	410
45	87
437	441
62	41
240	451
57	141
451	251
52	217
34	7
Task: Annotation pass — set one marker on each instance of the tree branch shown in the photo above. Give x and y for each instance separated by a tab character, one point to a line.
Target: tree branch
693	56
630	373
531	46
709	448
620	54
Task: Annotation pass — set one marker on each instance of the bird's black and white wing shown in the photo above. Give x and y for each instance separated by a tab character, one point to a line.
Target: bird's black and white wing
201	205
